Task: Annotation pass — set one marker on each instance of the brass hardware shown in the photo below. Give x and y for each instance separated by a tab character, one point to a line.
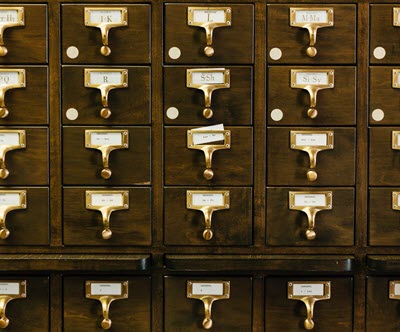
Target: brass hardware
105	22
107	201
208	80
208	292
207	201
10	140
106	292
396	78
312	80
395	140
208	149
9	79
104	85
309	292
394	290
396	17
310	18
14	17
312	145
116	141
10	290
310	203
10	200
395	200
209	18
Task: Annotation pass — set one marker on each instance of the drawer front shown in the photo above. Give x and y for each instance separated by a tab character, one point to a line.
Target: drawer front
33	95
334	44
333	314
128	106
384	161
232	166
130	226
384	36
184	105
85	314
233	314
231	43
84	165
27	43
30	225
29	165
31	311
231	226
333	166
288	226
335	106
128	44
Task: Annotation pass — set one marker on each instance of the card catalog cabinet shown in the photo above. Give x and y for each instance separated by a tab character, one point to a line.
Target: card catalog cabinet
190	166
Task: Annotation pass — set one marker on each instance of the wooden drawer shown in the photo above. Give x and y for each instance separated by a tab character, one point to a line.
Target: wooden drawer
232	314
26	43
335	106
130	226
384	36
85	314
31	310
232	43
32	95
30	225
230	226
129	44
287	226
184	105
128	106
288	165
334	44
83	166
333	314
231	166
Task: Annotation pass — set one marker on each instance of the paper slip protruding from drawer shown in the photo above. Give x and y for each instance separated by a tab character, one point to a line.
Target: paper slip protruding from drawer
203	138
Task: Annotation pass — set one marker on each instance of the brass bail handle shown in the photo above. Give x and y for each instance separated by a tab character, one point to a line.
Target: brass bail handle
207	321
309	302
313	91
209	50
207	233
208	153
311	173
208	90
105	112
105	154
105	49
106	214
311	50
105	306
311	213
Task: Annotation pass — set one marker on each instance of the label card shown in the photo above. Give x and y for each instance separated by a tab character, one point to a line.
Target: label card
208	288
307	16
106	138
208	199
311	139
111	16
107	199
217	16
300	139
207	135
106	288
105	77
218	199
319	78
9	288
312	78
9	138
205	77
97	199
218	78
9	78
308	289
7	199
310	200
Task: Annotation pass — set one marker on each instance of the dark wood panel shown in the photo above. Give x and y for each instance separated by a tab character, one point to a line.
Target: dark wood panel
336	106
232	226
82	166
129	106
334	314
29	226
233	44
130	44
129	227
383	264
131	314
336	44
231	106
233	314
287	227
185	166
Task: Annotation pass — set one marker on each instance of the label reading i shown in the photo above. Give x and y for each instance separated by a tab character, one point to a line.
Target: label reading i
107	200
106	77
309	200
114	288
312	78
207	199
211	16
308	289
311	139
311	16
97	138
208	289
105	16
9	288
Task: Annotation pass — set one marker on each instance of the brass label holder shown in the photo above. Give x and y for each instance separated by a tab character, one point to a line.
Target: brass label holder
309	292
311	18
207	201
10	140
396	16
208	80
106	18
9	79
396	140
312	80
209	18
106	141
10	290
10	200
396	78
310	202
208	149
105	80
106	292
207	292
107	201
395	200
312	142
10	17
